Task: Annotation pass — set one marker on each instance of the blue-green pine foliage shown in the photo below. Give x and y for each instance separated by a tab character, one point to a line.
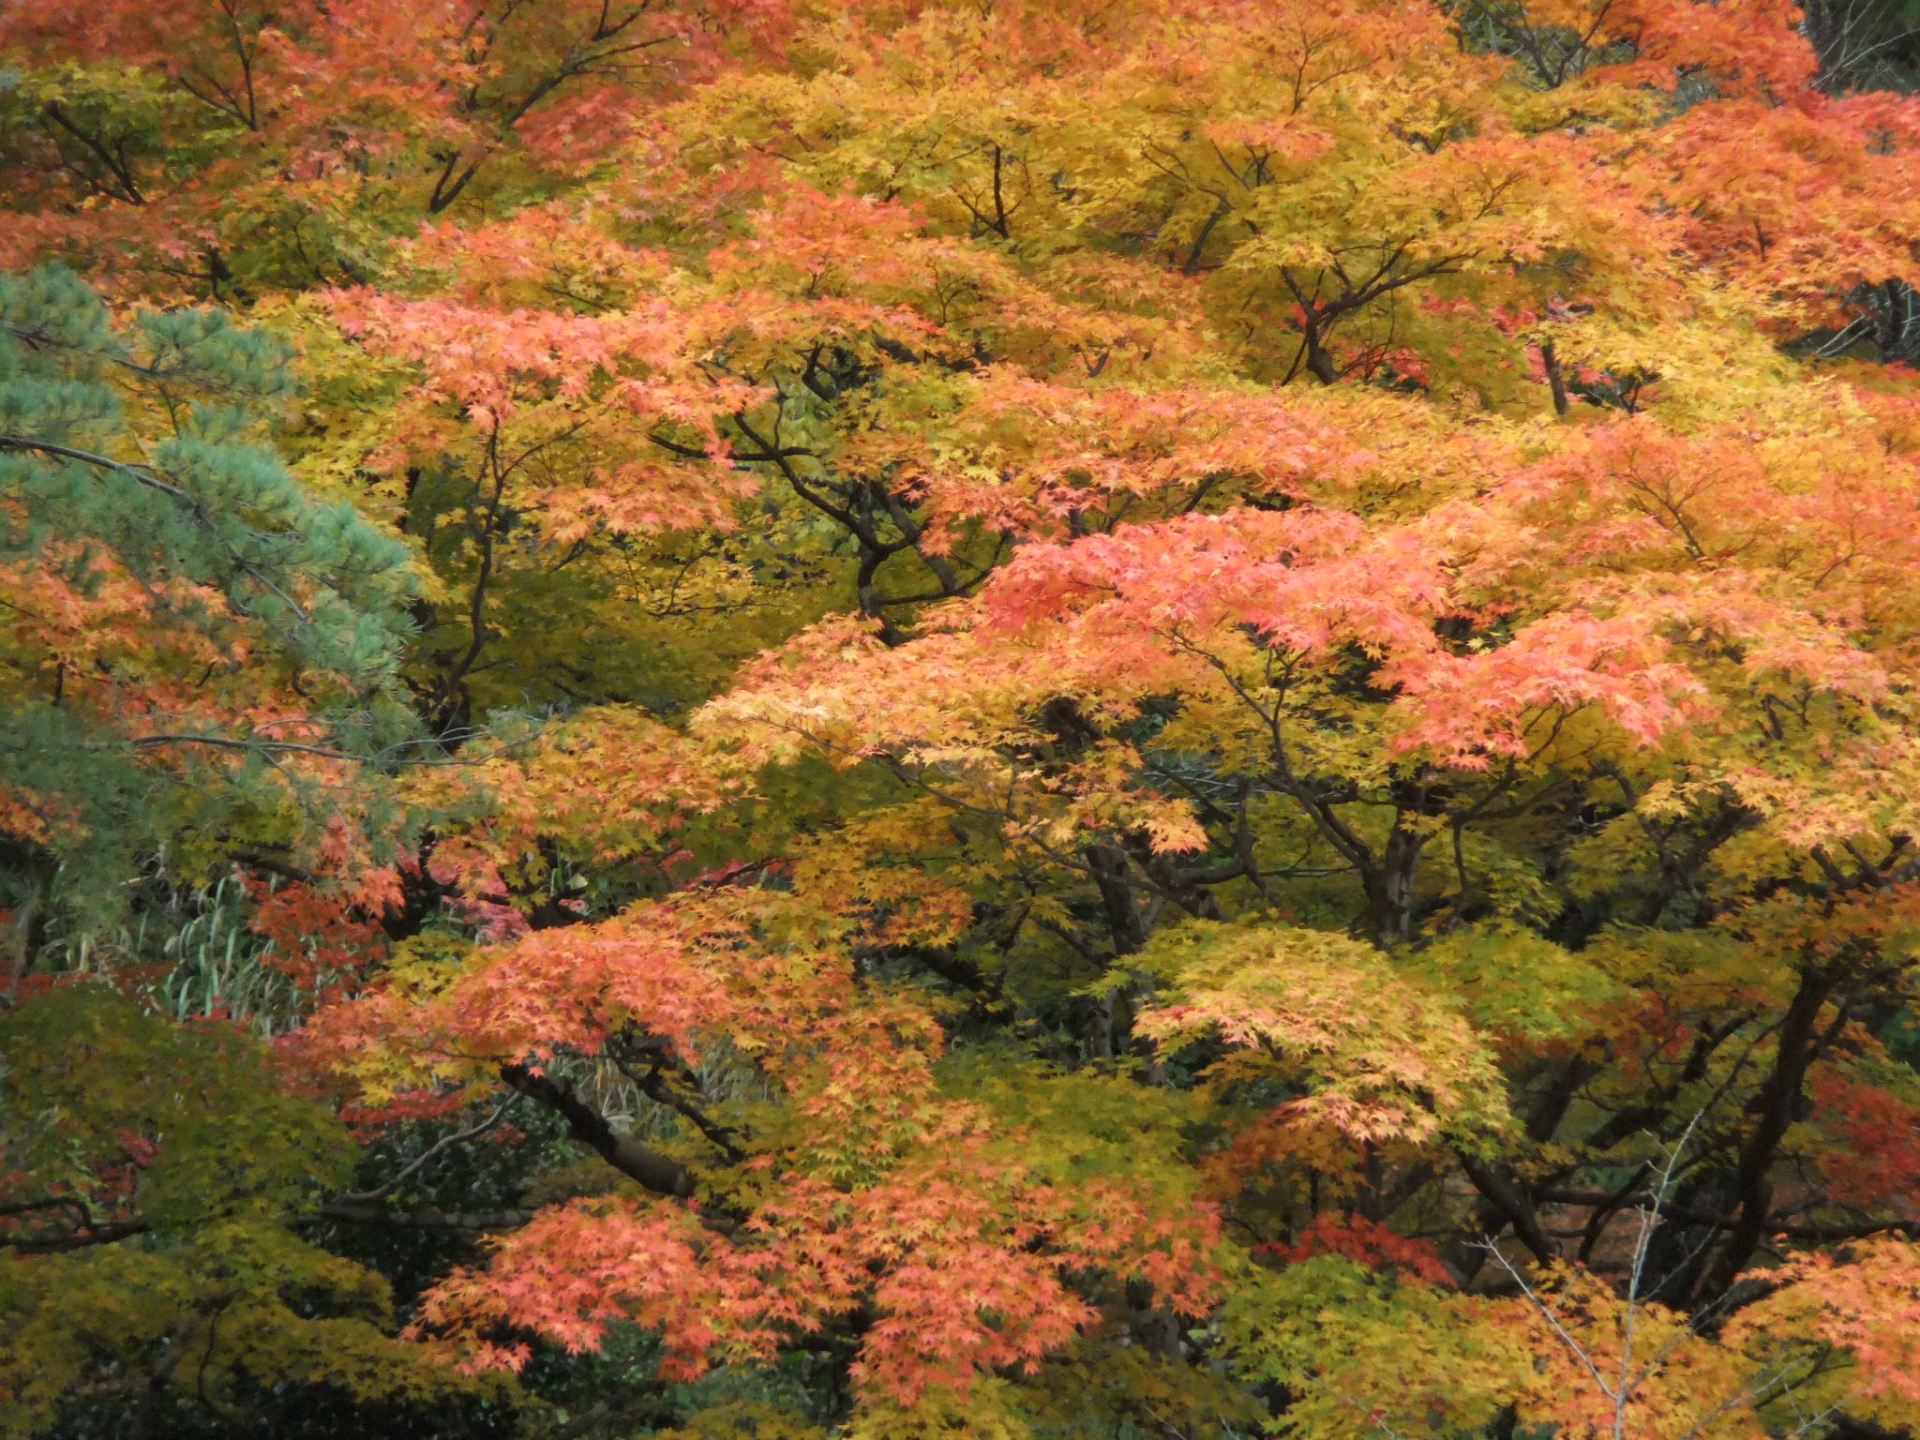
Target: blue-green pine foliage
147	448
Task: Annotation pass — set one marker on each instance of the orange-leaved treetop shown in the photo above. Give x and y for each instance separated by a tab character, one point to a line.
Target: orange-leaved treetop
1118	717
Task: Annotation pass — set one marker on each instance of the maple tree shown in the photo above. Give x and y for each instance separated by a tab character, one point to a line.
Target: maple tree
1121	717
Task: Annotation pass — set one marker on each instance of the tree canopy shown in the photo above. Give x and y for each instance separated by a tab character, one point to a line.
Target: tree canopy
1111	718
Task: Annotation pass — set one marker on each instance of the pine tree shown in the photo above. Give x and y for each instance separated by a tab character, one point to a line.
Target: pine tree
200	655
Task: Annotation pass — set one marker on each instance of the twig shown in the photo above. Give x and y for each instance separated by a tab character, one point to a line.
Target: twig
427	1156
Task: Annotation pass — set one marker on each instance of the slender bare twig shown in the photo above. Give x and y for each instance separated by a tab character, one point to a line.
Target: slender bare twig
427	1157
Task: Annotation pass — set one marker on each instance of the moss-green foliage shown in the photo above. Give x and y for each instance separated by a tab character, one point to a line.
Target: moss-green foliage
1071	1130
87	1070
1362	1353
1130	1393
218	1311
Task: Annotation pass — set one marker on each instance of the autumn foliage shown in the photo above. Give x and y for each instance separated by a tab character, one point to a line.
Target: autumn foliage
1116	717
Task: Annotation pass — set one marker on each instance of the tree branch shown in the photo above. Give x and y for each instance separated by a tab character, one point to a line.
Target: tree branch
659	1173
